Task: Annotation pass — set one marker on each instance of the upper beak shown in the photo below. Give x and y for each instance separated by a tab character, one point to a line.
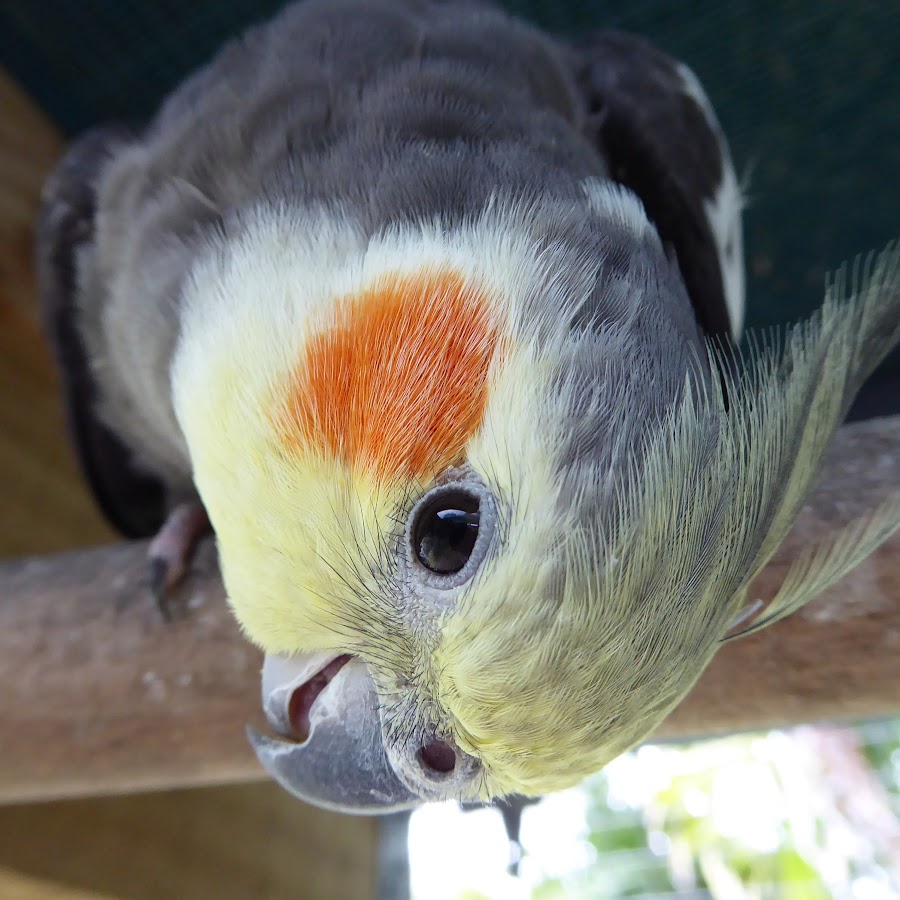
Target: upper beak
339	757
342	765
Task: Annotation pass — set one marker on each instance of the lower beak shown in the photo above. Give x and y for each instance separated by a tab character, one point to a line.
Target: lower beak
342	764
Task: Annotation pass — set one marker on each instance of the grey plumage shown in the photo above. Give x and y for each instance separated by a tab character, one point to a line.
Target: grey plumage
392	111
599	185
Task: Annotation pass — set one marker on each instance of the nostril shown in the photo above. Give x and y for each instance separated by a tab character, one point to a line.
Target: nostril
438	756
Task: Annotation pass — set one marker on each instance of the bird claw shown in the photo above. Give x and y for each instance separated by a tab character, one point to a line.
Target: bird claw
157	570
171	552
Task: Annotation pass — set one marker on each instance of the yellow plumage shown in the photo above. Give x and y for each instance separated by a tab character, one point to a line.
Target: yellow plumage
573	640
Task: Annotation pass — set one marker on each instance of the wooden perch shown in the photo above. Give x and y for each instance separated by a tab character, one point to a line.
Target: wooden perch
99	695
839	656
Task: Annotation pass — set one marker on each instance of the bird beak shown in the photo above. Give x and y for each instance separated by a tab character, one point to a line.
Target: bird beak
336	759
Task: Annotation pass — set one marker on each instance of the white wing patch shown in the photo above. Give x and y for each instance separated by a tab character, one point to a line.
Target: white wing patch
723	212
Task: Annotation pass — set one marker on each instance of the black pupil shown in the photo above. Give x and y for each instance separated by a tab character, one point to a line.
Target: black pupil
445	532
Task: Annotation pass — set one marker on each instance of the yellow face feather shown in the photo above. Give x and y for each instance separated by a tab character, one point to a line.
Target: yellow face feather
325	380
318	415
317	419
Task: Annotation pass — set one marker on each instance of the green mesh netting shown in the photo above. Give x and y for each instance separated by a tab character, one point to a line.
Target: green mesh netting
808	93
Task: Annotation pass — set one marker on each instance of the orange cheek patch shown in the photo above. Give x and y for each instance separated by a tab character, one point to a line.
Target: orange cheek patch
398	384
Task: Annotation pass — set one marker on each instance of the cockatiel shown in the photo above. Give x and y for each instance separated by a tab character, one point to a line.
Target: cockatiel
434	316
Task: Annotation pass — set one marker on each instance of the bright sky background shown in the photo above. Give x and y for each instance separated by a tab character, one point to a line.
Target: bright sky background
553	832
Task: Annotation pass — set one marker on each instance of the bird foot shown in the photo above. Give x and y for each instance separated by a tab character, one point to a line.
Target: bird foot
172	549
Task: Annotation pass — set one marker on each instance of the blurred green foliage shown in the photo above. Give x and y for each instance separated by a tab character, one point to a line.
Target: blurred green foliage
800	815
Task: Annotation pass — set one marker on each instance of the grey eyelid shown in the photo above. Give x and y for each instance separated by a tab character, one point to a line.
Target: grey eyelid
433	584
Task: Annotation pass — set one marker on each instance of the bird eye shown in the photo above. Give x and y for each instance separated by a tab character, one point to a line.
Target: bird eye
445	531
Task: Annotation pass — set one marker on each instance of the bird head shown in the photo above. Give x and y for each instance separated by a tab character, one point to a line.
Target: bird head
476	492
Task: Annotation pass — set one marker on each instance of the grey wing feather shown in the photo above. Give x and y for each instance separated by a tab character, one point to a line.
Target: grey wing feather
656	128
131	499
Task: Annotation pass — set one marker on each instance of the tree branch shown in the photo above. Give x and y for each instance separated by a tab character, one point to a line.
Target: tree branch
98	695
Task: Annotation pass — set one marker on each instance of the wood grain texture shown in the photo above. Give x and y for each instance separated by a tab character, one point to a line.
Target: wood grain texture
17	886
46	506
232	843
838	657
29	146
100	696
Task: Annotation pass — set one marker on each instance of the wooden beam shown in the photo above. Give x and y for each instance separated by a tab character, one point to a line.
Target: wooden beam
839	656
101	696
46	506
29	146
15	886
230	842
